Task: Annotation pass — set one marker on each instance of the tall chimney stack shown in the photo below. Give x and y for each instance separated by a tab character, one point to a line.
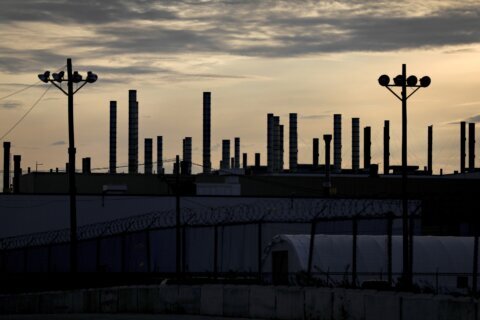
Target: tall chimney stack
386	147
316	152
270	142
293	142
337	142
207	164
86	165
245	161
471	147
430	149
462	146
148	155
257	160
187	154
327	138
355	144
237	153
367	136
276	144
132	132
225	163
6	167
113	137
17	172
282	150
160	169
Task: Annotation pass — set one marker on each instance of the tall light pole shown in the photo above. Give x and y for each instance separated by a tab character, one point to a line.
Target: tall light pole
72	77
403	82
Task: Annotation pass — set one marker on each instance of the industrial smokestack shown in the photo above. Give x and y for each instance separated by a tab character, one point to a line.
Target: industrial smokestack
113	137
282	151
471	147
132	131
237	153
386	147
276	144
337	142
327	138
148	155
430	148
270	141
207	164
86	165
17	172
187	155
355	144
6	167
462	146
245	161
367	147
160	169
293	142
257	159
316	153
225	163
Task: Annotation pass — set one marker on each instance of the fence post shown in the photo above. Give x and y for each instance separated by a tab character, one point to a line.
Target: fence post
312	244
123	252
389	247
147	245
178	235
98	255
184	248
410	247
354	250
475	260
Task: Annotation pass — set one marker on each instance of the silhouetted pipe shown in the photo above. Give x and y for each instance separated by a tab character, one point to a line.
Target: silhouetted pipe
471	147
6	167
270	134
160	169
462	146
225	164
113	137
86	165
337	142
148	155
17	172
132	131
237	153
355	144
386	147
257	160
430	149
293	142
367	147
207	165
316	153
244	161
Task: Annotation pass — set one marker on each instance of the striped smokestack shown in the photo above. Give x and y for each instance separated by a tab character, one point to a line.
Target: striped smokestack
429	152
148	155
337	142
187	155
207	164
355	144
367	142
113	137
160	169
225	163
386	147
132	131
471	147
6	167
237	153
293	142
270	134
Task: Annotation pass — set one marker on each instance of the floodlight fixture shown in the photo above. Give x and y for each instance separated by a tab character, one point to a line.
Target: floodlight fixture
44	77
58	77
91	77
412	81
384	80
425	81
399	80
76	77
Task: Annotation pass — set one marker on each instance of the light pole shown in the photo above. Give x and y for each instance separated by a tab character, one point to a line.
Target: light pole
72	77
403	82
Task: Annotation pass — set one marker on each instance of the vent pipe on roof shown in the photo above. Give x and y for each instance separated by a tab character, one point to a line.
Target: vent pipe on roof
386	147
6	167
355	144
337	142
113	137
132	132
148	153
207	164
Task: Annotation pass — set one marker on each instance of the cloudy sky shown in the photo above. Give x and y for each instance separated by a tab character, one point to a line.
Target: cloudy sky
315	58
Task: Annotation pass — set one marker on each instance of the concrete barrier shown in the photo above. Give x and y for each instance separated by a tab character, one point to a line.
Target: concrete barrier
167	300
189	299
262	302
349	304
420	307
318	303
211	300
91	299
236	301
382	305
456	308
290	303
128	299
109	300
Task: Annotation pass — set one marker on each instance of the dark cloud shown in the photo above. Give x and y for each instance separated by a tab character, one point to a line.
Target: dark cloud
475	119
10	104
315	116
58	143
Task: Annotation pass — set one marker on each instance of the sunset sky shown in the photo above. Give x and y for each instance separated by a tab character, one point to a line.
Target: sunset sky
315	58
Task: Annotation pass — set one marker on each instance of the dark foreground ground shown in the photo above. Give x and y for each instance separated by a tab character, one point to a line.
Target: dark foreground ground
111	317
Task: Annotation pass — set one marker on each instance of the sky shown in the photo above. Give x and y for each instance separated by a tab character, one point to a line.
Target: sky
314	58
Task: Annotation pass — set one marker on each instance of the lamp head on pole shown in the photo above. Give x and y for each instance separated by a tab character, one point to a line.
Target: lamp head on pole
44	77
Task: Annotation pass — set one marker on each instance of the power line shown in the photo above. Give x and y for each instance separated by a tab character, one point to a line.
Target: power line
26	113
21	90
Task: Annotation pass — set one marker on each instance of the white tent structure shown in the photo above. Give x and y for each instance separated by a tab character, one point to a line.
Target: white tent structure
441	263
